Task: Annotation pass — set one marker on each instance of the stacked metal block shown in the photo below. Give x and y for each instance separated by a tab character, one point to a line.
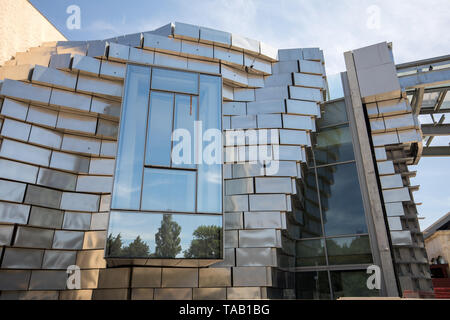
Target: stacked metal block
397	142
59	119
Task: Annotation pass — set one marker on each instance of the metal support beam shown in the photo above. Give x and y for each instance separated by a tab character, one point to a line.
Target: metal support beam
425	79
436	130
436	152
418	100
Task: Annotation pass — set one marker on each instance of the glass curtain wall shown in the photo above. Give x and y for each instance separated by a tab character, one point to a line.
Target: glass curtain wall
165	203
333	249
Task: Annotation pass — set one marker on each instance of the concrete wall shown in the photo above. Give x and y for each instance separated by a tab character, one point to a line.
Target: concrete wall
19	17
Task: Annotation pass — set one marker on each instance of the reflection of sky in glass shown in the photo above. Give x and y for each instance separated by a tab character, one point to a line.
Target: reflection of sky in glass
178	81
133	224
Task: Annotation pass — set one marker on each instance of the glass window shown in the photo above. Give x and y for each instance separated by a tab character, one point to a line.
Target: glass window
333	145
185	115
177	81
351	250
310	253
168	190
341	201
333	113
130	155
312	285
157	235
335	86
210	175
351	284
159	138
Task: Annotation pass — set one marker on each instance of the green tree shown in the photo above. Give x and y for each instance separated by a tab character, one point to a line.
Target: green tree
206	243
136	249
114	245
167	238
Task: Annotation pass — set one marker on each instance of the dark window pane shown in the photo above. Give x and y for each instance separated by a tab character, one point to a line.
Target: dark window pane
159	135
185	115
210	175
168	190
351	250
131	142
333	145
312	285
351	284
333	113
310	253
156	235
340	197
177	81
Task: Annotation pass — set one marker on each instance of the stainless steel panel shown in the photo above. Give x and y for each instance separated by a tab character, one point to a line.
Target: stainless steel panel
248	293
96	184
267	121
229	56
312	54
24	91
22	258
285	168
392	106
288	152
81	144
153	41
228	93
89	280
401	121
377	125
102	166
97	48
110	294
114	278
215	36
185	31
57	179
48	218
48	280
285	67
294	137
196	49
240	42
401	238
394	209
247	170
233	220
235	76
94	240
76	221
88	259
409	136
14	280
24	152
118	51
105	202
394	223
106	107
243	122
86	65
396	195
372	110
298	122
268	52
146	278
231	239
14	213
70	100
314	67
236	203
68	240
214	277
303	107
262	220
308	80
114	70
69	162
45	137
99	221
271	93
234	108
15	129
385	167
239	186
60	61
100	86
257	64
271	106
79	202
43	116
33	237
75	295
58	259
380	154
141	56
108	149
243	94
107	128
54	77
391	181
168	60
12	191
256	81
273	185
210	294
227	171
75	122
6	233
256	257
203	66
43	197
173	294
251	276
301	93
14	109
179	277
265	238
278	79
290	54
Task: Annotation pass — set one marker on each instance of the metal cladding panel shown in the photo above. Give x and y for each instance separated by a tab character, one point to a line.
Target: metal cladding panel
42	116
251	276
53	77
214	277
14	109
15	258
250	257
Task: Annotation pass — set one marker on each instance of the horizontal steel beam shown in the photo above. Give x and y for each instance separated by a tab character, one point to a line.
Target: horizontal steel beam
436	130
430	110
424	79
436	152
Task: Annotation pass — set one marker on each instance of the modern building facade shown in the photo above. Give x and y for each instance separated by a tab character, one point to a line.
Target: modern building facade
191	163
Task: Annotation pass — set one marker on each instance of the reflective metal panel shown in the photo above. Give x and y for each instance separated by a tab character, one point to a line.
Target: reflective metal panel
102	166
265	238
401	238
45	137
276	202
179	277
153	41
396	195
108	149
81	144
256	257
14	280
14	109
110	108
236	203
391	181
12	191
297	122
233	220
99	221
269	121
15	258
262	220
24	91
394	209
65	161
273	185
243	293
70	100
54	77
43	196
295	137
243	122
94	184
58	259
57	179
203	66
216	36
86	64
141	56
308	66
302	107
6	233
68	240
171	61
107	128
272	106
48	280
25	152
76	221
99	86
308	94
196	49
33	237
308	80
247	170
75	122
44	217
15	129
214	277
112	70
385	167
18	171
239	186
79	202
43	116
251	276
146	278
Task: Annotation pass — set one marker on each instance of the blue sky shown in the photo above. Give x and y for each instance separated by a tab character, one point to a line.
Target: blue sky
418	30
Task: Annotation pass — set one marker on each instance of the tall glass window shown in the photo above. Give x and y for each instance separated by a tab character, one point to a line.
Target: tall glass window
167	202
